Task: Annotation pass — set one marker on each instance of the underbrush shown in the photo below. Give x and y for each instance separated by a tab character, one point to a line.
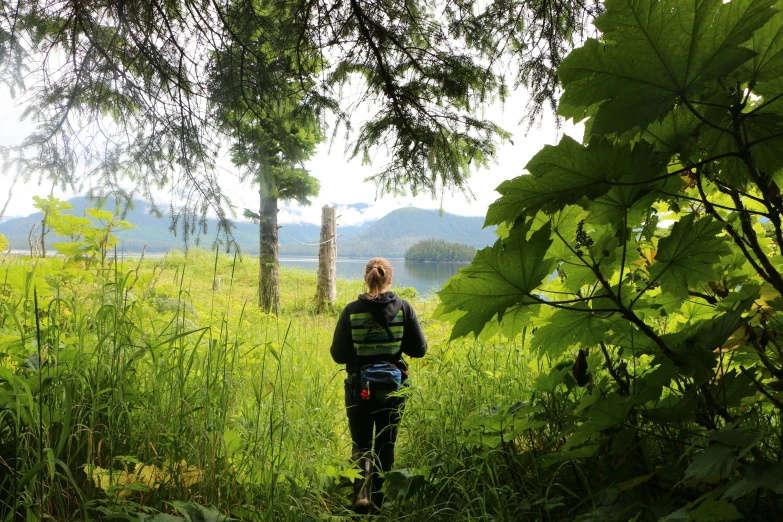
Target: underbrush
136	391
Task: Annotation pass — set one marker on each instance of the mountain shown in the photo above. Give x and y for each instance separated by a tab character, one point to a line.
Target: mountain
390	236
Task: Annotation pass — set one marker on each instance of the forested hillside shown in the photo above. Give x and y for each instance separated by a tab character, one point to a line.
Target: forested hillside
156	232
390	236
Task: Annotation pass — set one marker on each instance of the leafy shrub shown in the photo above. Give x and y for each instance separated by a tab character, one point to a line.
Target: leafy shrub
663	232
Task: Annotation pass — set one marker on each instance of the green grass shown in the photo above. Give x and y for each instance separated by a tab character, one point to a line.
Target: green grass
156	394
134	391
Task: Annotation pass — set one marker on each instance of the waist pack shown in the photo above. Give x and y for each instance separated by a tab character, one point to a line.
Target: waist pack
377	381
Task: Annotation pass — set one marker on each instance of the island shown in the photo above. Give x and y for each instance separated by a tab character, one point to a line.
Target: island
439	250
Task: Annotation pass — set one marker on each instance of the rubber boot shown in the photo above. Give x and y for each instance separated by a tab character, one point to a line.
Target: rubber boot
362	487
359	482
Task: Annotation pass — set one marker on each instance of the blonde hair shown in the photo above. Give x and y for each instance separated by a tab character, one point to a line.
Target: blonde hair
377	275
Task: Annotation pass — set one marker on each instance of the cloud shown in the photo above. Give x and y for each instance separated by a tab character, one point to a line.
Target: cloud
349	214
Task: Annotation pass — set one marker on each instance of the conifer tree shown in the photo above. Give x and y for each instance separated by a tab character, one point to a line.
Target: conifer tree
125	100
259	94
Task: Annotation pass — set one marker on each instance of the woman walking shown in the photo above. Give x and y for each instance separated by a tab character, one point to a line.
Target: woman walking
371	335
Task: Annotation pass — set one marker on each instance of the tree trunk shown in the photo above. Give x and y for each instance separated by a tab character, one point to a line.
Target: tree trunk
326	291
43	235
268	277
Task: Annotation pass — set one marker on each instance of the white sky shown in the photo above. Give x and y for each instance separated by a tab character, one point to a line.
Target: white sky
341	181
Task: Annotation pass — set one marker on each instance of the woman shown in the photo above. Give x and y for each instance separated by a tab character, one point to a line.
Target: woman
371	335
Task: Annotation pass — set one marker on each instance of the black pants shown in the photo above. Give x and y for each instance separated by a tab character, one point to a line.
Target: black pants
370	423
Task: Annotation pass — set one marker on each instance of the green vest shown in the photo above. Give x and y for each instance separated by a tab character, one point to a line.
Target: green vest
372	338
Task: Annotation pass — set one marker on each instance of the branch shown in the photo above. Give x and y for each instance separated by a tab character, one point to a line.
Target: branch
722	207
729	228
622	260
772	275
8	201
630	316
560	305
705	120
754	340
622	309
760	387
709	298
625	390
756	109
674	173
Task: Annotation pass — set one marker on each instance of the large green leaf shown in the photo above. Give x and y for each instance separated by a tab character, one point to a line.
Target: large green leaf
675	133
714	511
607	413
403	483
197	513
716	461
500	279
569	172
756	476
767	43
688	256
767	153
568	328
655	52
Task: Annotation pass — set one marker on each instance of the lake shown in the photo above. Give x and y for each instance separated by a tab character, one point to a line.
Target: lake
426	278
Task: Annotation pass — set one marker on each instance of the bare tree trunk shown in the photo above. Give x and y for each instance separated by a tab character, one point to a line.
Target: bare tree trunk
326	291
44	228
43	234
32	240
268	277
7	201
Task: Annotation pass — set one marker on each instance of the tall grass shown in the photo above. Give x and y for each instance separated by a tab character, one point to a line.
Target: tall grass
136	391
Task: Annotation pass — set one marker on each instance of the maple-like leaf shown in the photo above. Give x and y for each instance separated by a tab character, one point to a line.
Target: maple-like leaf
654	52
569	172
568	328
689	255
499	281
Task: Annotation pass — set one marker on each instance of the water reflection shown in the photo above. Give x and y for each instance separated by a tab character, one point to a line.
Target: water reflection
426	278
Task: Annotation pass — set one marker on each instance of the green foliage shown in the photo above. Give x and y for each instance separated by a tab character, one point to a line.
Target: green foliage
654	248
418	85
201	406
439	250
499	282
90	236
273	124
258	97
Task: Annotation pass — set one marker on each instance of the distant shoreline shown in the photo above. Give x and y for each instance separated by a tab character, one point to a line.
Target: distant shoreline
135	254
157	255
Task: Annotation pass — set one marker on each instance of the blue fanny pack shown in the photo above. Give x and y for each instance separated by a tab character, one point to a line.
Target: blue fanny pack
377	381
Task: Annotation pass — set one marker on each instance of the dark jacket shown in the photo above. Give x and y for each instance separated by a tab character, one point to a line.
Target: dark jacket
377	330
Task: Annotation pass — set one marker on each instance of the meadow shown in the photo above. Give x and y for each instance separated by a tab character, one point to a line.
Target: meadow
134	390
615	355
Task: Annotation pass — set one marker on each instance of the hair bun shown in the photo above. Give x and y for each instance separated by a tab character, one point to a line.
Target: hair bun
377	274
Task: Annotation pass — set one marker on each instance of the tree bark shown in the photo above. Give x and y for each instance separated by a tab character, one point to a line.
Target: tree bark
268	276
326	291
10	195
43	234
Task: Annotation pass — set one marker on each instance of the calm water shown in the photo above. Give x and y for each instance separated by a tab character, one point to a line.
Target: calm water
424	277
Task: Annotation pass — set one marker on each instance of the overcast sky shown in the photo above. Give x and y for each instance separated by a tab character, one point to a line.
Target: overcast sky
341	181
